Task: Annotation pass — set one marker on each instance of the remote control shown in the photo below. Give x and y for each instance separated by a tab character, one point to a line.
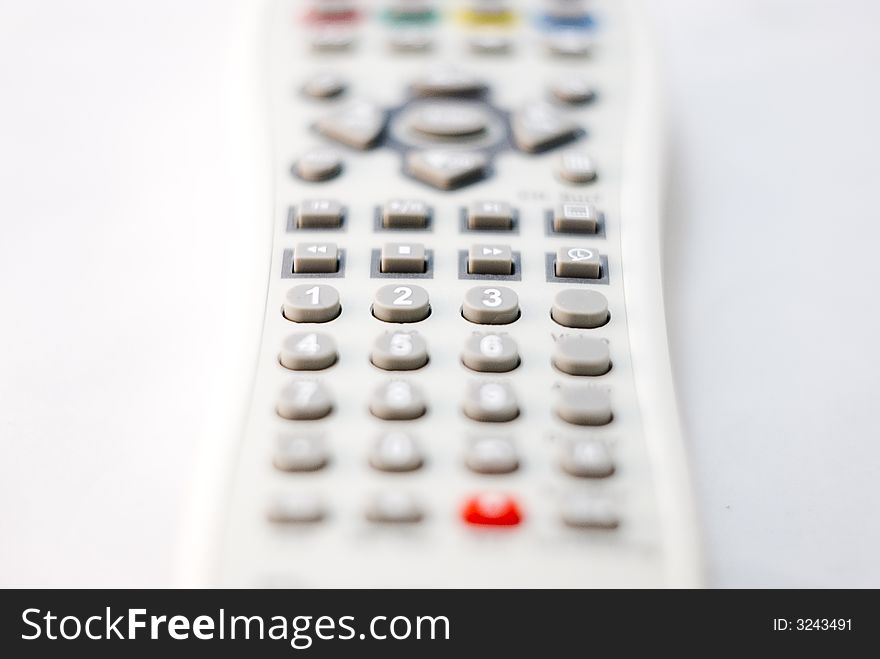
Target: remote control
463	377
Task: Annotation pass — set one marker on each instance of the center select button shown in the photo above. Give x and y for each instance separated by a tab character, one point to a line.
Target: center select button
449	119
449	122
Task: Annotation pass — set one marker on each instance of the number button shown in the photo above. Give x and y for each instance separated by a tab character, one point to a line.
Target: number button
490	353
491	401
396	451
491	305
492	455
309	303
308	351
300	453
399	351
304	399
396	303
397	400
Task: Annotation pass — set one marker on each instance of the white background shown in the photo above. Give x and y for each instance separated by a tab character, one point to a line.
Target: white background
116	199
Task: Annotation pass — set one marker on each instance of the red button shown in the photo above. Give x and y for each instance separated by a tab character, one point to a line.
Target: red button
318	15
491	509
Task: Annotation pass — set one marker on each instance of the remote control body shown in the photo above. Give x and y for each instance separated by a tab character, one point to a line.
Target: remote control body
387	442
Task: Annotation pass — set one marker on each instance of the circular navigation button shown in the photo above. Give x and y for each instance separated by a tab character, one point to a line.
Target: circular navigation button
446	120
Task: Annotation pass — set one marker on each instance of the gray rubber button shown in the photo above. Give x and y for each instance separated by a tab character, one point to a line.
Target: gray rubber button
402	257
324	84
318	165
569	43
300	453
490	260
490	215
410	41
573	90
359	125
581	355
311	303
405	214
578	262
580	308
394	508
396	451
319	214
397	400
584	406
332	39
303	400
399	351
539	126
490	305
401	303
490	44
587	458
296	509
449	119
492	455
445	169
491	401
576	167
576	218
308	351
316	257
448	82
590	511
490	353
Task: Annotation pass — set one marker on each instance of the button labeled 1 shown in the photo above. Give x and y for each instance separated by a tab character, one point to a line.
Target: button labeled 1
311	304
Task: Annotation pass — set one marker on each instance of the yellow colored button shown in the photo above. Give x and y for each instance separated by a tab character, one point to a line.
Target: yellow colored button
480	17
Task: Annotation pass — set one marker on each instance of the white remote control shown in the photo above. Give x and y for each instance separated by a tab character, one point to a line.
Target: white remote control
463	377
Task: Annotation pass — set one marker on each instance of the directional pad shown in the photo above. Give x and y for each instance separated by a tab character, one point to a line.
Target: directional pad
446	169
359	125
447	133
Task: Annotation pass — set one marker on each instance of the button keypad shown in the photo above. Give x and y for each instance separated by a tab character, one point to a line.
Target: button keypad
455	373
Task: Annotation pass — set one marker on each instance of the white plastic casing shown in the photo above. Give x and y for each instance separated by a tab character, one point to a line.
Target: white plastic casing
230	540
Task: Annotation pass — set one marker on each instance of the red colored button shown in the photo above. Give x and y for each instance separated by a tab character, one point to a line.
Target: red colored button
492	509
332	15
